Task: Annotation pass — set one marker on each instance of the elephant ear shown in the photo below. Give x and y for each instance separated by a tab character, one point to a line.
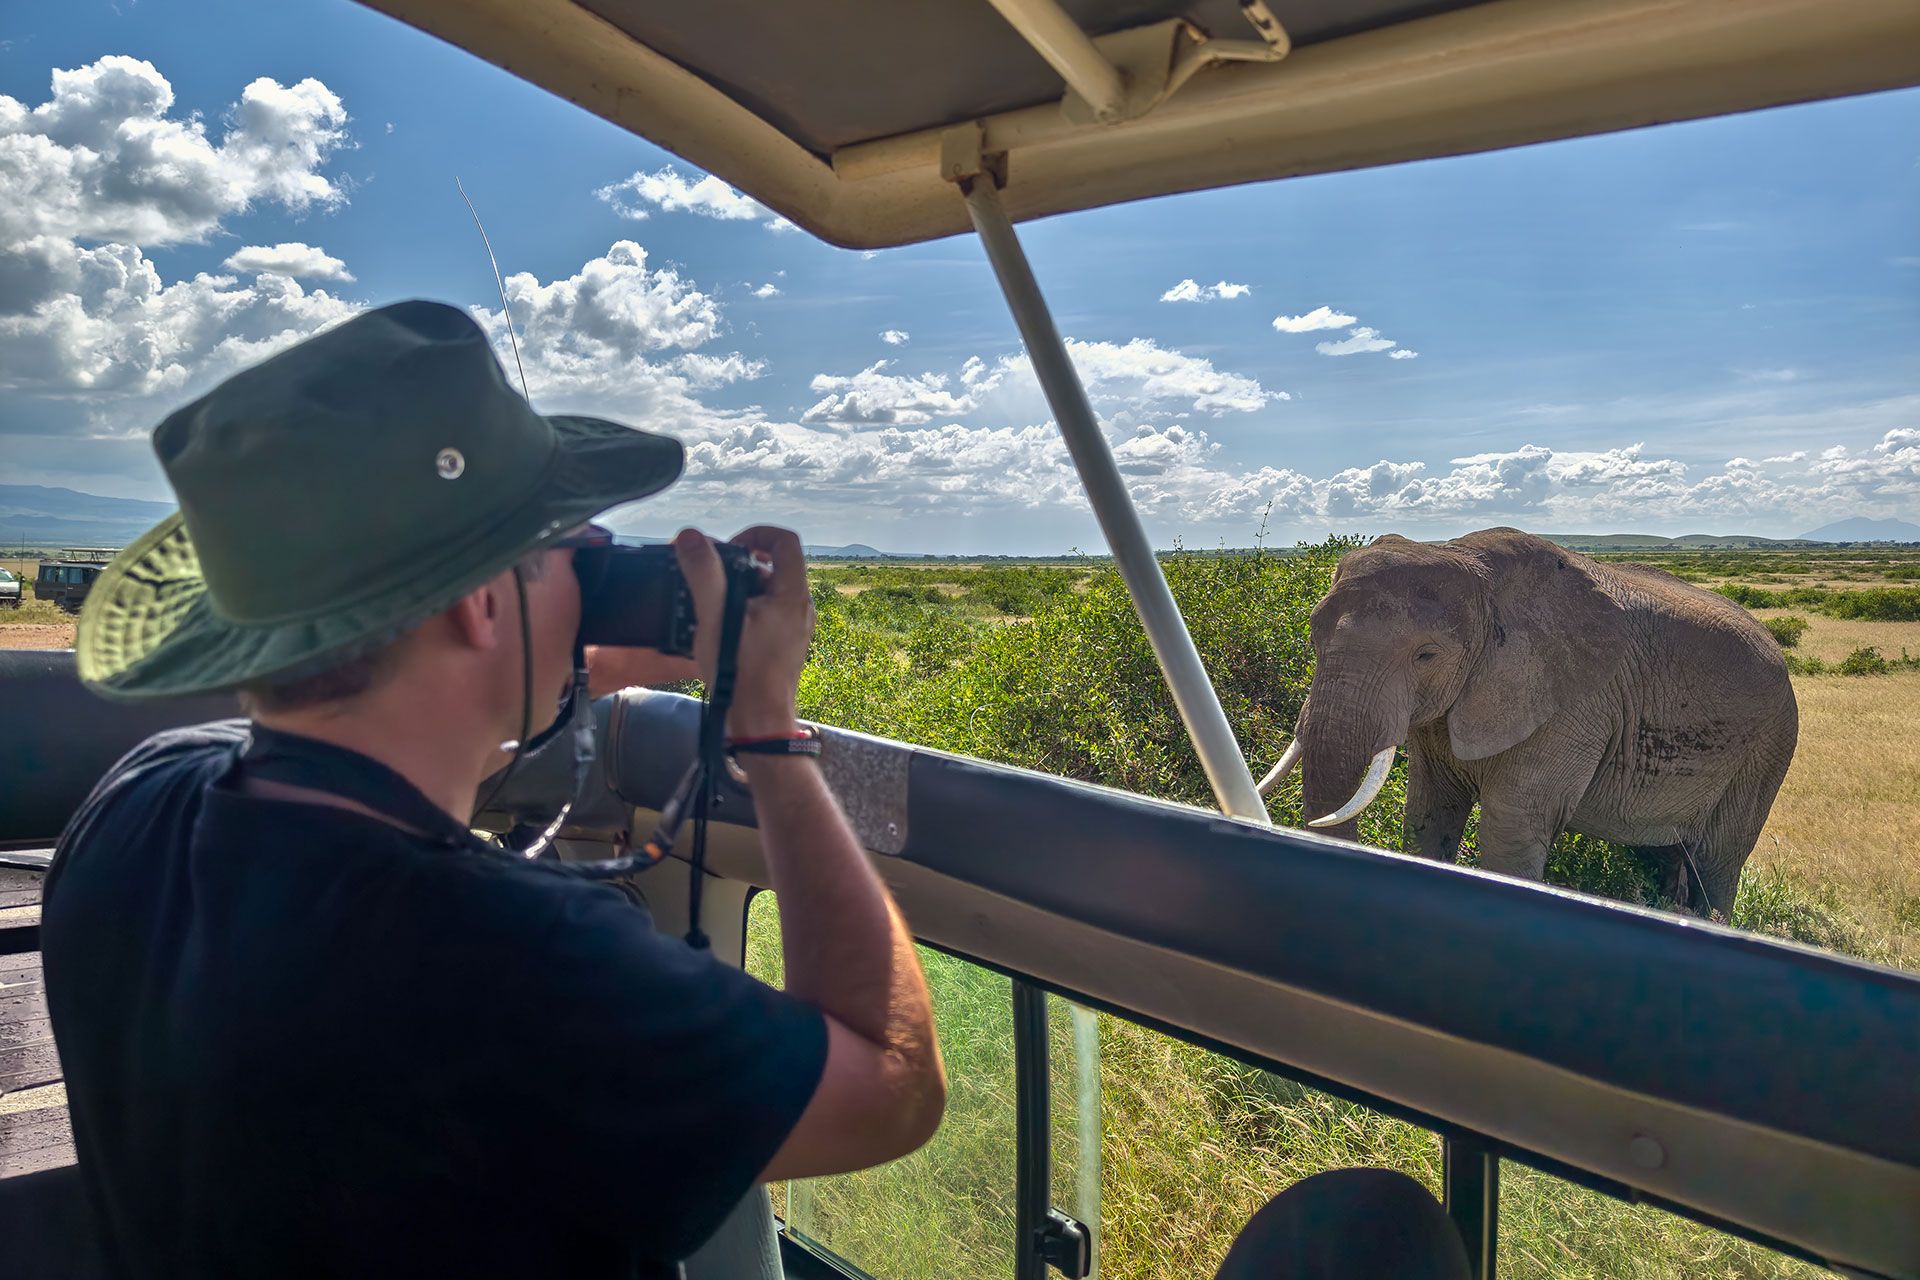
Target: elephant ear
1553	637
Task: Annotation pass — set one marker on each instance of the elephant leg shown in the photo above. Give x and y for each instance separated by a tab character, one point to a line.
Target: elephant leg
1731	831
1521	813
1514	841
1438	802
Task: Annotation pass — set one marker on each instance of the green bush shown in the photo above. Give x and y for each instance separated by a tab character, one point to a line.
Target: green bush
1787	629
1865	662
1604	869
1875	604
1749	597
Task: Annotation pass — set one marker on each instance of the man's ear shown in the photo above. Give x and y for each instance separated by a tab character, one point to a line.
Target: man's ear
475	619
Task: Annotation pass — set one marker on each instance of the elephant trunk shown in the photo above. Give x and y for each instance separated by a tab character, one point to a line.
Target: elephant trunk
1350	731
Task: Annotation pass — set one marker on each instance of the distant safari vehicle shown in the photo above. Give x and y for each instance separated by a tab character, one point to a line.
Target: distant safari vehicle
67	580
10	590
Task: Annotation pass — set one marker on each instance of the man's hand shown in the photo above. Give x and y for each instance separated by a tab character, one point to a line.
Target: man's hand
774	639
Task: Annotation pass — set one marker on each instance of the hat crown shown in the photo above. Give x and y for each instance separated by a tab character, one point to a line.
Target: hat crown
324	473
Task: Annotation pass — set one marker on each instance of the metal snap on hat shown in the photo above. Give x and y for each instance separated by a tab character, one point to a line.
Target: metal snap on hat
336	494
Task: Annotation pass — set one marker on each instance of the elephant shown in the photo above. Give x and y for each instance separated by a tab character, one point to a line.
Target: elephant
1560	693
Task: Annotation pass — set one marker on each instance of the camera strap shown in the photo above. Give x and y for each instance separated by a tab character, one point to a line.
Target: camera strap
713	746
696	796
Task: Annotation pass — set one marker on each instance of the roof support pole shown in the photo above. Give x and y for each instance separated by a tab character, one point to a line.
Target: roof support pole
1193	691
1056	37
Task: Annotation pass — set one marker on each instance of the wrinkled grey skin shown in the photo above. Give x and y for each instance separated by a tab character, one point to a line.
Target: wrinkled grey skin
1561	693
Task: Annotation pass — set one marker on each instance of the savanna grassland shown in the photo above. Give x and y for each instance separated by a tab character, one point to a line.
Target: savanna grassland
1044	665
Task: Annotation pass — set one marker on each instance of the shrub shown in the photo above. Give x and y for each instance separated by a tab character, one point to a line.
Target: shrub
1865	662
1605	869
1875	604
1787	629
1750	597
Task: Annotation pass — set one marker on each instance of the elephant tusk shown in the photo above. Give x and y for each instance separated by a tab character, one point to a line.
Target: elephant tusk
1369	788
1288	759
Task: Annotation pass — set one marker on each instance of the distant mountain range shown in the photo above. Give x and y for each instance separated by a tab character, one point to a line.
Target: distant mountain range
1654	542
1857	529
1861	529
34	515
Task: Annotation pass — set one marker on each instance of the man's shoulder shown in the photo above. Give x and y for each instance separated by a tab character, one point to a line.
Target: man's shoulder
201	751
183	745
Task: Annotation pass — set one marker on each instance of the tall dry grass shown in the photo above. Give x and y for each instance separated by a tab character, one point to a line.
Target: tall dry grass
1847	817
1832	639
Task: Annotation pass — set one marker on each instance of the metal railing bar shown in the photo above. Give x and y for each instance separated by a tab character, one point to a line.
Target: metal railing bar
1186	677
1470	1184
1033	1130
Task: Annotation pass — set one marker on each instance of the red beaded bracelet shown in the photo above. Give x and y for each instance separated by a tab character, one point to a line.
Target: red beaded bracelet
802	742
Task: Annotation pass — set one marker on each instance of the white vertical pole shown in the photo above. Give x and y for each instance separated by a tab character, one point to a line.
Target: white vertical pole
1193	693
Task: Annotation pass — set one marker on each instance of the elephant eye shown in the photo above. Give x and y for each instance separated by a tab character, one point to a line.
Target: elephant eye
1427	654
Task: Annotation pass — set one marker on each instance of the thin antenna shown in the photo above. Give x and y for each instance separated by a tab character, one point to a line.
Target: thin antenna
501	286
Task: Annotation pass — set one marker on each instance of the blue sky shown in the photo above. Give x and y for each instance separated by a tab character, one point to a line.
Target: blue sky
1705	327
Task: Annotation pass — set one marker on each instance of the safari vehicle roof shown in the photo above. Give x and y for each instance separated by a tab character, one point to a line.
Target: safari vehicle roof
833	113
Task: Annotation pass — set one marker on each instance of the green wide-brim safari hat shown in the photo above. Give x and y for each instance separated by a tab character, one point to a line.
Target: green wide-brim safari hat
337	494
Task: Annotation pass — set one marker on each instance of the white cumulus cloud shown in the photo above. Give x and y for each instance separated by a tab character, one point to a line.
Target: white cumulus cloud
104	159
102	169
112	327
1402	353
895	337
587	333
1318	318
1357	342
874	397
1191	290
669	191
705	371
767	290
290	258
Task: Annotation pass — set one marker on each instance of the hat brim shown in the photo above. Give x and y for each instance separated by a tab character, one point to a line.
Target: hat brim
149	629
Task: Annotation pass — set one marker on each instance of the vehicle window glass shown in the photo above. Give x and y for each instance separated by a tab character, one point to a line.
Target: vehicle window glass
947	1210
1551	1229
1193	1143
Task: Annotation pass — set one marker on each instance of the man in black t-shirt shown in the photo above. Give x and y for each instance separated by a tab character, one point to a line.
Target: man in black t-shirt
309	1025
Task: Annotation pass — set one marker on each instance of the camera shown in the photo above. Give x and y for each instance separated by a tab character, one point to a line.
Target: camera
637	596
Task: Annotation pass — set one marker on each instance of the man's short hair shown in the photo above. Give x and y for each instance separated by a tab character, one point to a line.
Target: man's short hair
348	679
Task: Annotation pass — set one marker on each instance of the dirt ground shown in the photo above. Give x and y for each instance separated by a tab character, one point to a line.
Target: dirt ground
36	635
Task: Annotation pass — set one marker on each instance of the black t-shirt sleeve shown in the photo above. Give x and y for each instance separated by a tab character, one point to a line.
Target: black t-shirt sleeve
657	1082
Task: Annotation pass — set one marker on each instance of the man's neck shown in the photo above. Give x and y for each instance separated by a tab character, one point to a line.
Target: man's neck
421	748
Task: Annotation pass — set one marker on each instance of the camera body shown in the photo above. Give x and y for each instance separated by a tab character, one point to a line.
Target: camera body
637	596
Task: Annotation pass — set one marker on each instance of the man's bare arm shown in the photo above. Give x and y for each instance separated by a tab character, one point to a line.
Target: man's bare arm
848	953
847	950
